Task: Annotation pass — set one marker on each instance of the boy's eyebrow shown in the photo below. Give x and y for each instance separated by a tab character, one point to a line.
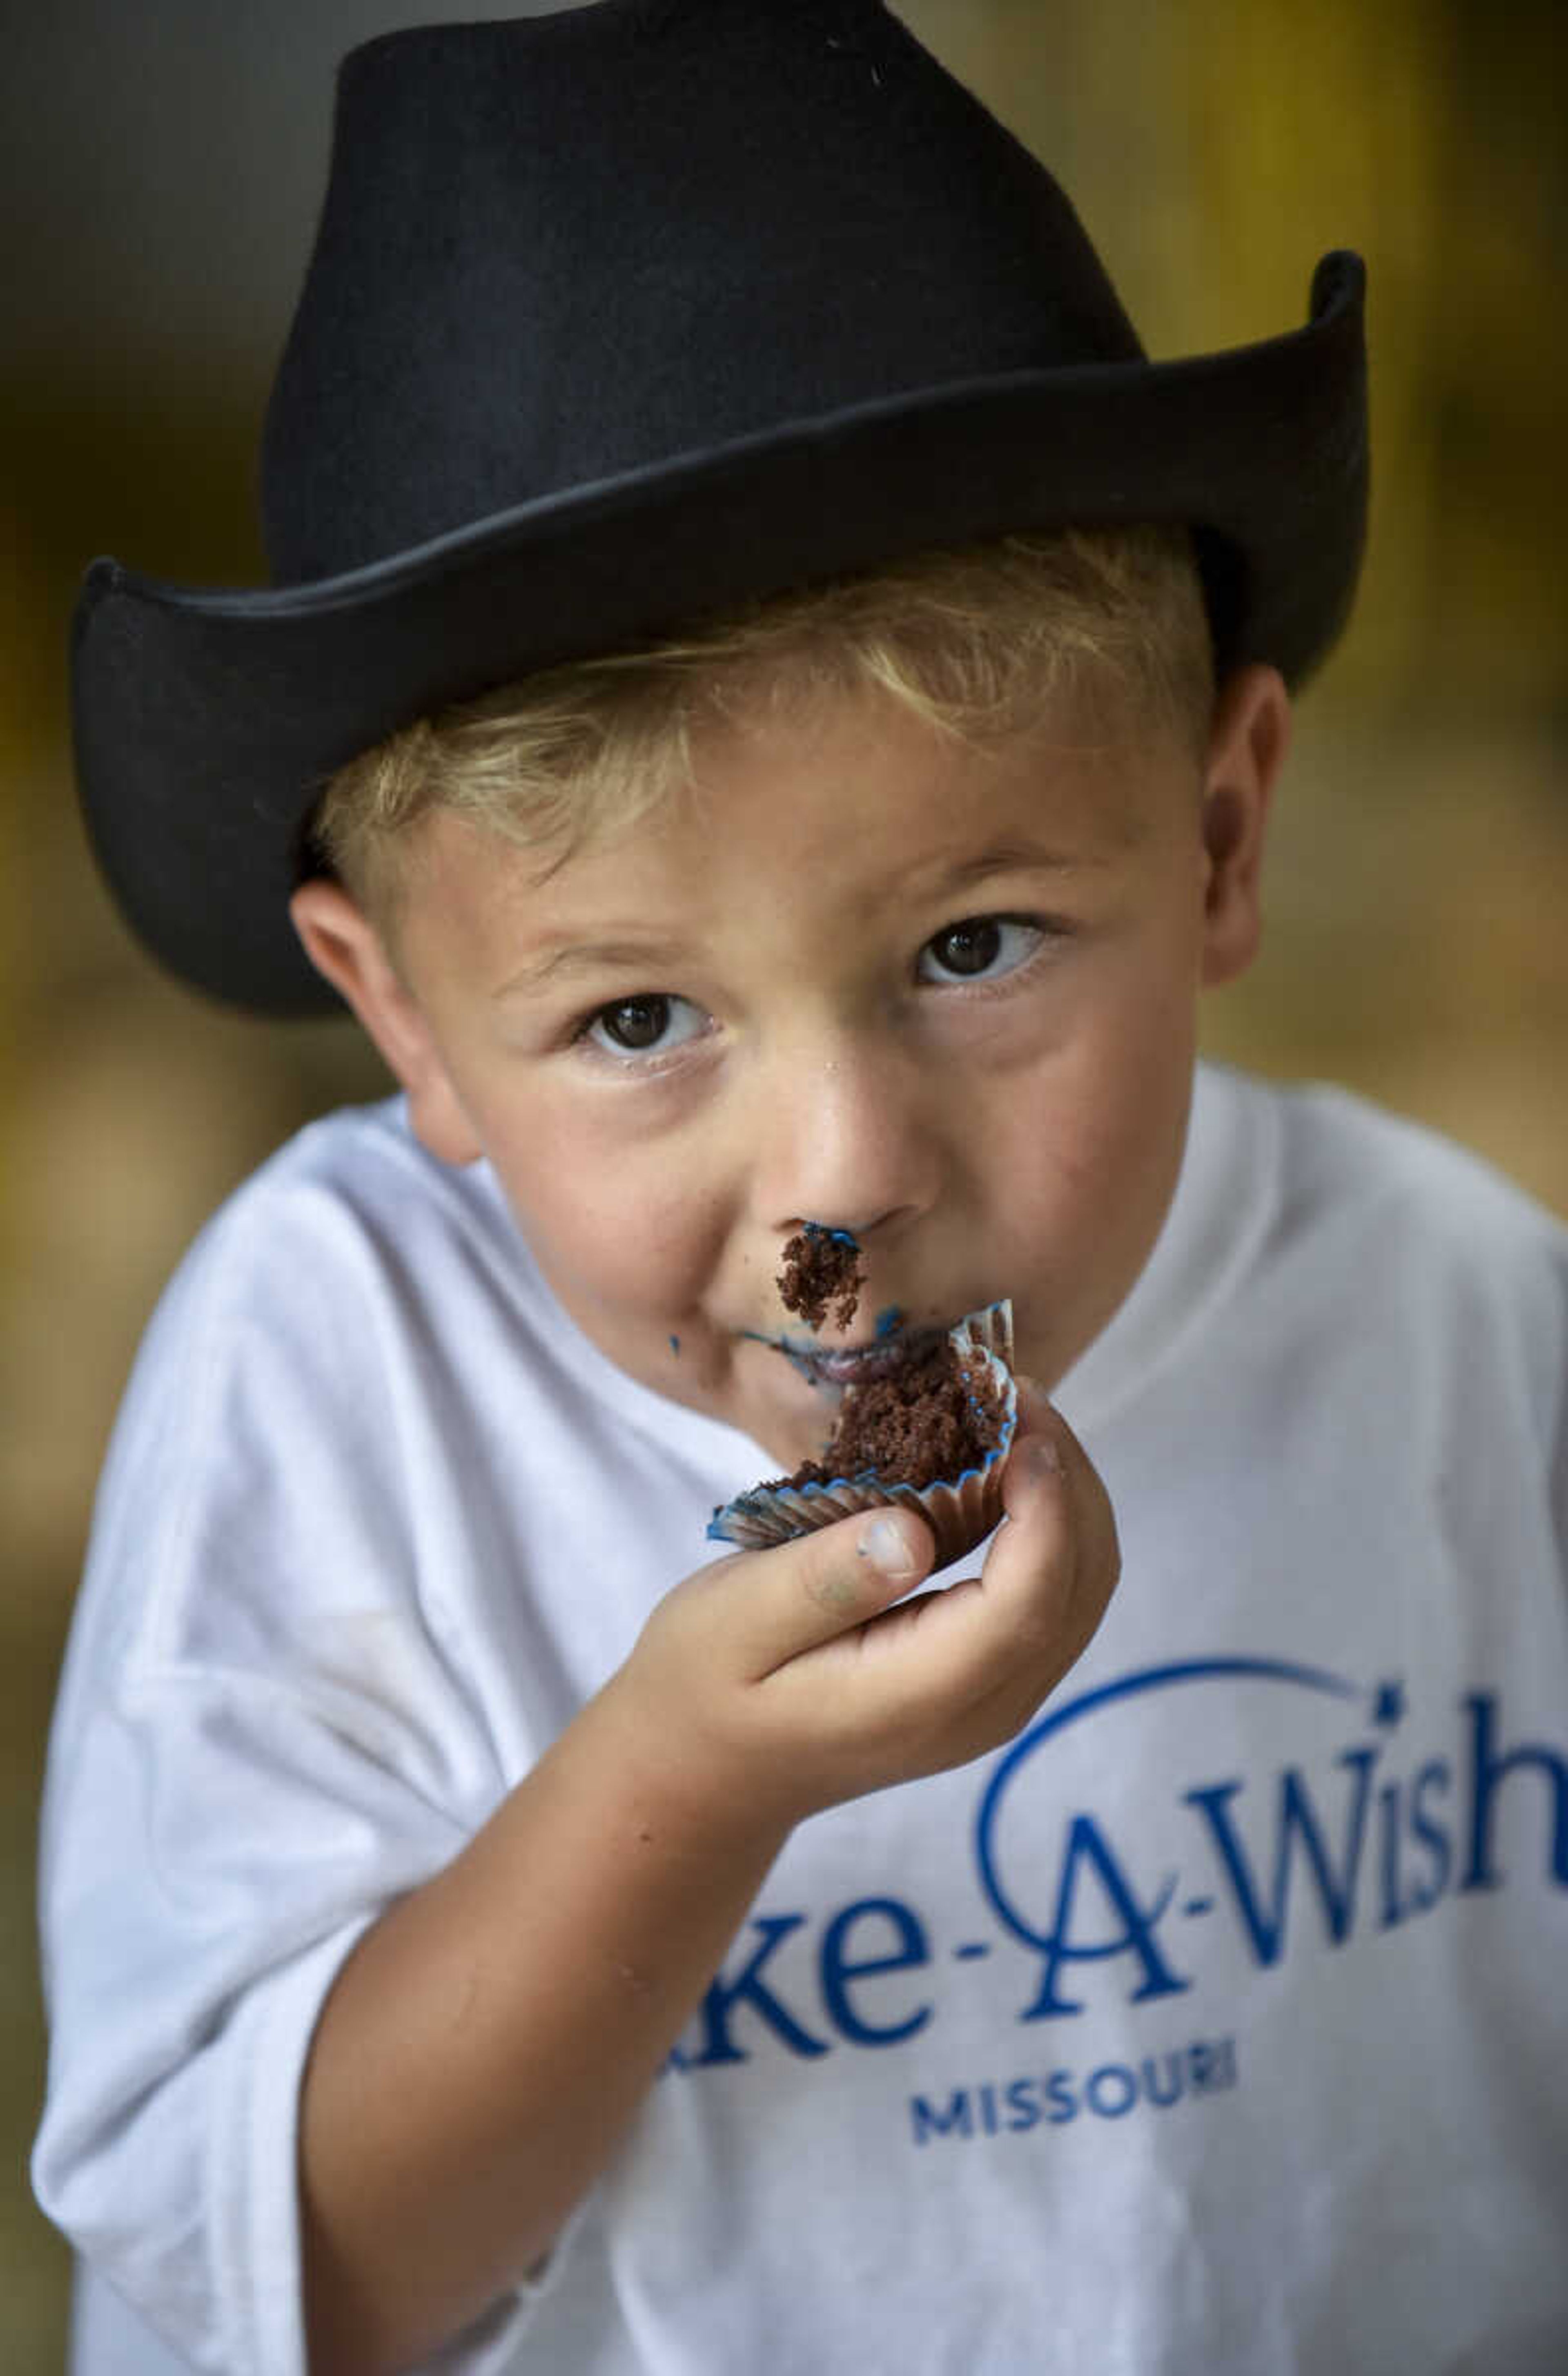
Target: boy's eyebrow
582	957
1008	856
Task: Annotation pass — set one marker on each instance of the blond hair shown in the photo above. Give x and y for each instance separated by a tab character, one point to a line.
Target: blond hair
975	642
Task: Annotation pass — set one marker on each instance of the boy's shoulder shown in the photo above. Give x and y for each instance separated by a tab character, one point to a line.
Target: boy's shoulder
1342	1153
1375	1225
356	1176
351	1149
349	1219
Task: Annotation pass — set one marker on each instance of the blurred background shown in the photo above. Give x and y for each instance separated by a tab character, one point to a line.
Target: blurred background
162	164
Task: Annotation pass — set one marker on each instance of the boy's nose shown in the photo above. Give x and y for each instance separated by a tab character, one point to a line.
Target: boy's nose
848	1144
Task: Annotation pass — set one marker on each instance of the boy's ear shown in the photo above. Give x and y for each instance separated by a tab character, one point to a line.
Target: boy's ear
346	950
1247	744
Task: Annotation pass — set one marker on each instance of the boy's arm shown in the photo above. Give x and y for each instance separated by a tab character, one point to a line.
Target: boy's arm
488	2040
489	2037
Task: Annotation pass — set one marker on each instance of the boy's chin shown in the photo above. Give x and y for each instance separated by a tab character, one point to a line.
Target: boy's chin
788	1414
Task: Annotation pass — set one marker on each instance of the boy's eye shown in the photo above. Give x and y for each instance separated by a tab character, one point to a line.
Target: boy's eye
645	1026
977	946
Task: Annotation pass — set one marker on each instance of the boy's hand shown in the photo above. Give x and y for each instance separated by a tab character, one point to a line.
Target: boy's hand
765	1687
784	1681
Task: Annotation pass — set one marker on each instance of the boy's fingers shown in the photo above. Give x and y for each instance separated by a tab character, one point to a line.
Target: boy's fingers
783	1602
1063	1518
806	1592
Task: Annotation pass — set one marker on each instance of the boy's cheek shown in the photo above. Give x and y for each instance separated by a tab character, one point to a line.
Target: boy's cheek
1089	1186
608	1247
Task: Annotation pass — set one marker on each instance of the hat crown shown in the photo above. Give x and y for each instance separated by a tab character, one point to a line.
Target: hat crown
559	250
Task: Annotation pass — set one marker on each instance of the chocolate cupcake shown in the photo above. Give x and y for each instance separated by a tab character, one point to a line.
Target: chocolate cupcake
932	1431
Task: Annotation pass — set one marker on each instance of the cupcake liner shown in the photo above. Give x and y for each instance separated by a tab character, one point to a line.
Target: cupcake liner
960	1511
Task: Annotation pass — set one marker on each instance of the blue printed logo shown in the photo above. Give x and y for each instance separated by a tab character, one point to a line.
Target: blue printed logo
1091	1901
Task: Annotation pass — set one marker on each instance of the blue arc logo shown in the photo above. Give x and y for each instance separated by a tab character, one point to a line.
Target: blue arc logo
1145	1679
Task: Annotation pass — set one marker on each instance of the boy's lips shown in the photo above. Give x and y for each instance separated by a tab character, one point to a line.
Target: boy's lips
850	1365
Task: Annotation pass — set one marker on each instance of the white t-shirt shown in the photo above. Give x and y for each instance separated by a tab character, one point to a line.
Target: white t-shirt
1219	2025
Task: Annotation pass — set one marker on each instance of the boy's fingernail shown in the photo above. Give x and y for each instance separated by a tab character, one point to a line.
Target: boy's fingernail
888	1548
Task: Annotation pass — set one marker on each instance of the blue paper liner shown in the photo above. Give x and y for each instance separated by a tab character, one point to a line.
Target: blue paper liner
960	1511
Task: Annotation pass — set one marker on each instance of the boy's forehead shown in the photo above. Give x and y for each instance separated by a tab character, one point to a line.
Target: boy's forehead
1092	759
785	800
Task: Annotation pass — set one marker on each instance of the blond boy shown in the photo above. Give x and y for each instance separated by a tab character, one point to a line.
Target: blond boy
823	798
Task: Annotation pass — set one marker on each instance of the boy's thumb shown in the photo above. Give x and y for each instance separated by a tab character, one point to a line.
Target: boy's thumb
885	1543
823	1583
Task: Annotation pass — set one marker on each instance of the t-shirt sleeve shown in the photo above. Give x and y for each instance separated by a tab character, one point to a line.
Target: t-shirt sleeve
264	1735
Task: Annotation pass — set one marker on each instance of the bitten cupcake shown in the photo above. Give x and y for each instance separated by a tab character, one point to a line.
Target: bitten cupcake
932	1431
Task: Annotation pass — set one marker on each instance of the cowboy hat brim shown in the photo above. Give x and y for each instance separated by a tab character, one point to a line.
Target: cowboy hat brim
208	721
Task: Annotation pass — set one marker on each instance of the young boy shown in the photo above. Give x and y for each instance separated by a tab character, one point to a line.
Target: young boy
769	714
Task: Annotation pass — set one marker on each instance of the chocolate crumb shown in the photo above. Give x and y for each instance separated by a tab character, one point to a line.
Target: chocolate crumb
821	1272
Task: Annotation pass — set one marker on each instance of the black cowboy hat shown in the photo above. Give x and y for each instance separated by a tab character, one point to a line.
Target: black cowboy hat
626	315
